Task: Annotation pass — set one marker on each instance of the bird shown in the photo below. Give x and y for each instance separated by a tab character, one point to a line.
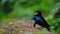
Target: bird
40	20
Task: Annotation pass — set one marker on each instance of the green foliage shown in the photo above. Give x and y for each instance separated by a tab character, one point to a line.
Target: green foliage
1	14
21	5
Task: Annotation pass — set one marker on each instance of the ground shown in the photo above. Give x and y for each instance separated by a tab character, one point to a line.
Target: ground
15	26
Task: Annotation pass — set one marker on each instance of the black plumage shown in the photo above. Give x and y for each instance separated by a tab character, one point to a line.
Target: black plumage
42	22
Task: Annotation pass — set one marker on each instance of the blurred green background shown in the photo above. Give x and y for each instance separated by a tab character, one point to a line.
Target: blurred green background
25	9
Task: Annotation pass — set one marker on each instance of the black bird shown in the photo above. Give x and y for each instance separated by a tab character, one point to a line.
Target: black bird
40	20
